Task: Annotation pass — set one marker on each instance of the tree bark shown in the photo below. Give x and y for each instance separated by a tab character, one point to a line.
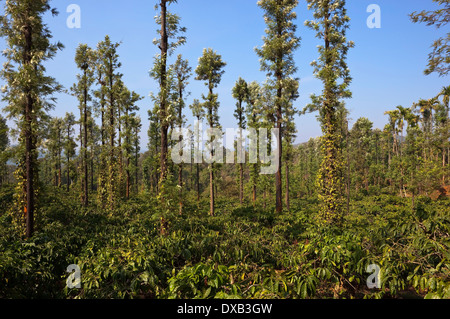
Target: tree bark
68	159
198	182
128	178
254	195
279	119
278	178
288	205
164	125
59	157
180	182
211	189
241	183
29	141
85	155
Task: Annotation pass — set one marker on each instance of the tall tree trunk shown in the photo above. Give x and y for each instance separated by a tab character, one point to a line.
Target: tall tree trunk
29	167
68	174
180	171
211	189
80	159
136	163
278	178
128	178
180	182
55	173
111	145
254	195
191	185
180	177
197	165
59	157
443	165
128	154
112	135
119	146
29	141
241	183
331	187
102	130
85	155
92	168
163	83
68	160
348	168
198	182
288	205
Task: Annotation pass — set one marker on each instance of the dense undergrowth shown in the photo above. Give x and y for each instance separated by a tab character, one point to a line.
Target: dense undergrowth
239	253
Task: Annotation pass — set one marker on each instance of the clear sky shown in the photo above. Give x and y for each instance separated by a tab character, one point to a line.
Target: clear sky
386	65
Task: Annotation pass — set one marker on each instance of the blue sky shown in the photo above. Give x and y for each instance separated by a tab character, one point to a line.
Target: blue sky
386	65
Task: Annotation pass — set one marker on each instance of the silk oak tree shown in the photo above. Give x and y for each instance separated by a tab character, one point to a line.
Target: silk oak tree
277	59
69	144
128	119
28	91
210	70
108	66
171	37
198	112
55	147
253	115
182	73
289	131
240	93
330	23
4	144
85	61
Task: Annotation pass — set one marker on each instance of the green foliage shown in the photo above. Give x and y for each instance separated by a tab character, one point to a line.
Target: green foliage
240	253
147	247
210	70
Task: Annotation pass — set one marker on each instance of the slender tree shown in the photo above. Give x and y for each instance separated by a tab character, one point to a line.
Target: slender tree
4	144
359	148
28	91
55	147
136	126
331	22
289	130
253	114
69	144
198	112
151	164
171	36
182	72
210	70
277	59
108	61
84	58
129	100
240	93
